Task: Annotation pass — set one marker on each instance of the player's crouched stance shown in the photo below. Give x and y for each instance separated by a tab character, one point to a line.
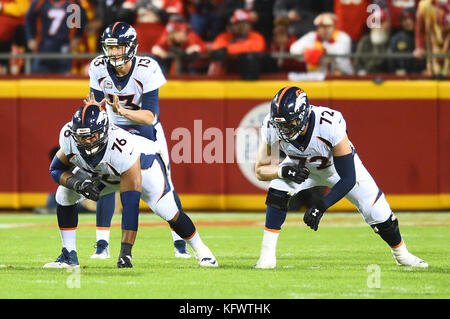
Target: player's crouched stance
114	160
319	153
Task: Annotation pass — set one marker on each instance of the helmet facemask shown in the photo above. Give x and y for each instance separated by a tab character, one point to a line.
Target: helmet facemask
287	131
93	137
289	128
90	143
127	51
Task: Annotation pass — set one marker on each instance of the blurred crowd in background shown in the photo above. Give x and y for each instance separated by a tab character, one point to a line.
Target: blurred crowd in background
243	37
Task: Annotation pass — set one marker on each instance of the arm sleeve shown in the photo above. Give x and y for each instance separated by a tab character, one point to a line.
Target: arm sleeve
345	167
57	168
99	95
150	101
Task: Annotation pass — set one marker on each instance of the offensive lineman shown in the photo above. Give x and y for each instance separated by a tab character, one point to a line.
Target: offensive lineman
319	153
115	160
135	80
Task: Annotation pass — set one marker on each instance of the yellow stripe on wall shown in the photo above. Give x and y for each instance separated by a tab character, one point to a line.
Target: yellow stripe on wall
245	202
337	89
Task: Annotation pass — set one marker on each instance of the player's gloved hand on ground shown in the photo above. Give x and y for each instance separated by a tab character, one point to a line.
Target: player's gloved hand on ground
87	187
295	174
313	215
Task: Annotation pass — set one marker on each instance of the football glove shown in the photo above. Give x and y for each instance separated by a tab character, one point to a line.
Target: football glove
295	174
313	215
85	187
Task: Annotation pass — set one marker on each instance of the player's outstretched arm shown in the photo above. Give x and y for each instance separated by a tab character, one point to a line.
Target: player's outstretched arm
345	167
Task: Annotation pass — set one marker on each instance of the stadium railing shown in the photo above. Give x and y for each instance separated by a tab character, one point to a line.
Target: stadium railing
28	57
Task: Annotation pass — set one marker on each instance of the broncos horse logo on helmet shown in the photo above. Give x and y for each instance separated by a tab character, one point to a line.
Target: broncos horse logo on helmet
123	36
90	129
289	112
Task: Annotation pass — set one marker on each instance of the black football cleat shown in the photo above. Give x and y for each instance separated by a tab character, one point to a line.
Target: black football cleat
124	261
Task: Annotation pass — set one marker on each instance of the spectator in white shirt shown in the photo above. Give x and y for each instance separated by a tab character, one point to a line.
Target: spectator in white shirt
325	40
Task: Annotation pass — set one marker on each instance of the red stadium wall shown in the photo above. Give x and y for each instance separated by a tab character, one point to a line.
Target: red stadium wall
399	130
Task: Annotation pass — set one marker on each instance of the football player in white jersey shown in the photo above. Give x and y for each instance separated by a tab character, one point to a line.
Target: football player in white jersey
135	81
318	153
114	160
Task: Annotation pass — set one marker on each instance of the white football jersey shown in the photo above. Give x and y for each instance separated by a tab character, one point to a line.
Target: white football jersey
329	128
122	151
146	76
316	153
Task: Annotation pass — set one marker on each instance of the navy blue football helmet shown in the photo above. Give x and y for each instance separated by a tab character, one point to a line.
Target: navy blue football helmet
289	112
122	35
90	126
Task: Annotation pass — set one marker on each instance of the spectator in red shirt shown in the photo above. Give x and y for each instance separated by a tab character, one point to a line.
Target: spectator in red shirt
281	43
179	41
238	50
395	8
351	17
12	35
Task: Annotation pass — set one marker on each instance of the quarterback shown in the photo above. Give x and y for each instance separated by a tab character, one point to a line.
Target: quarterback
318	153
114	160
134	81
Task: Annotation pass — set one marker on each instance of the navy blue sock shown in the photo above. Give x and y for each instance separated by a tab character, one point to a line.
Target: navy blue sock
105	210
275	218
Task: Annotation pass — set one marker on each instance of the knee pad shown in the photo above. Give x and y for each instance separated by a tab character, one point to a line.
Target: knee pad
278	199
183	226
389	231
389	226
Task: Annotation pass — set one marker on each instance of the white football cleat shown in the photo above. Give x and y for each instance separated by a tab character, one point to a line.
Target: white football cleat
205	257
102	251
404	258
409	259
266	262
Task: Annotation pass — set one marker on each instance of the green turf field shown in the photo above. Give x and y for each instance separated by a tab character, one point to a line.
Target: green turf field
343	259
